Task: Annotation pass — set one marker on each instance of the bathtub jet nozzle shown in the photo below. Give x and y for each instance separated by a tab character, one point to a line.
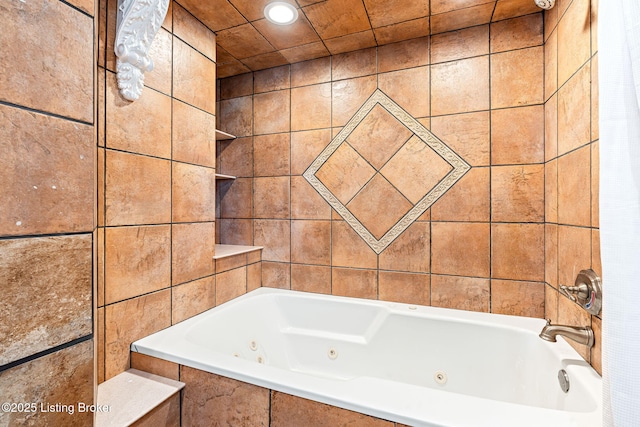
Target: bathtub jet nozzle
579	334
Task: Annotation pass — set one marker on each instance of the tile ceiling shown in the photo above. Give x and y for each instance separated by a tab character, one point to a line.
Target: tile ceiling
248	42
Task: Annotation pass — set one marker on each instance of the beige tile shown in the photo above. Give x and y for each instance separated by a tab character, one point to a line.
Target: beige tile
236	116
137	261
353	64
161	51
311	72
551	65
194	32
517	135
595	97
47	293
517	33
235	157
192	298
154	365
138	189
348	249
311	242
49	175
574	253
231	262
99	343
39	69
254	276
311	107
275	236
517	251
460	44
167	414
460	248
348	96
276	275
551	304
517	78
574	112
467	200
551	191
410	251
194	77
409	288
574	187
402	55
466	134
551	254
306	203
193	193
311	278
130	320
460	86
64	377
517	193
231	284
574	40
595	184
517	298
192	250
271	112
291	411
551	128
193	135
305	147
407	89
271	197
229	402
461	293
271	154
354	283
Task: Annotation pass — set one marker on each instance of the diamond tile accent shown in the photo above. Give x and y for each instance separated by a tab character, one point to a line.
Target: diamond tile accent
381	178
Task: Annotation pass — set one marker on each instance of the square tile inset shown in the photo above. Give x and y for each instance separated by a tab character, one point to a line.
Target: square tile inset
379	209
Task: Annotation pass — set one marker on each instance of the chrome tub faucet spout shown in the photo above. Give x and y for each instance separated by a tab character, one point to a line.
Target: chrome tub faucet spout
579	334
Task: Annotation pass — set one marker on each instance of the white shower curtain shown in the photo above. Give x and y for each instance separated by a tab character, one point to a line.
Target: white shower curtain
619	74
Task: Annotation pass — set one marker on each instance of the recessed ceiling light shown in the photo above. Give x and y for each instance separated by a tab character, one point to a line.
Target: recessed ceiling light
281	13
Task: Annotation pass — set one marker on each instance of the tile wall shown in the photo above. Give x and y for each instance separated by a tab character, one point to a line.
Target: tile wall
156	191
571	160
47	209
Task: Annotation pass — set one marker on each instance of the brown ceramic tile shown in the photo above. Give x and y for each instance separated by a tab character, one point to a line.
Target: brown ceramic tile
506	9
551	254
594	26
243	41
194	77
517	78
379	206
467	200
461	293
570	313
551	128
150	134
167	414
551	304
236	116
254	276
574	187
402	55
231	284
441	6
311	242
574	40
311	72
264	61
353	64
595	184
236	86
193	135
460	86
40	69
551	65
234	198
272	112
574	253
311	107
409	288
460	248
235	231
574	112
193	193
229	402
306	203
517	33
408	89
410	251
230	262
130	320
194	32
48	171
345	173
99	248
466	134
138	189
348	249
596	350
216	15
291	411
275	236
460	44
298	33
99	343
192	298
276	275
517	135
271	197
161	52
462	18
155	366
408	30
336	18
254	256
517	251
137	261
64	377
595	103
235	157
551	191
305	147
46	288
305	52
354	283
517	193
384	12
271	154
232	68
311	278
191	261
517	298
348	96
272	79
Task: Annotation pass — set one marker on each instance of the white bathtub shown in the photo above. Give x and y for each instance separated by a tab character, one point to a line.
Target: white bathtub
422	366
